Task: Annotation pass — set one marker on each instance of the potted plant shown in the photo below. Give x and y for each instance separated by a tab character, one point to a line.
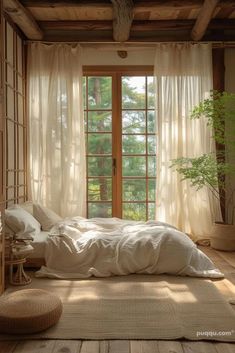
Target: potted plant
216	170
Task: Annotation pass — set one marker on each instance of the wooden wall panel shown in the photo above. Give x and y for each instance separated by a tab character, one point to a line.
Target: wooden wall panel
16	126
12	126
218	85
2	155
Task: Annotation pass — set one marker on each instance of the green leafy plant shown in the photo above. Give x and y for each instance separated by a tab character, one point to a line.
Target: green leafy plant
214	170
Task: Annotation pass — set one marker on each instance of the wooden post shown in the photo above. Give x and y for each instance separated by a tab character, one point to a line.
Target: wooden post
2	156
122	19
218	85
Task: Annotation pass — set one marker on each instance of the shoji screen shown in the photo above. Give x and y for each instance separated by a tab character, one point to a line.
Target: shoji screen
2	168
16	130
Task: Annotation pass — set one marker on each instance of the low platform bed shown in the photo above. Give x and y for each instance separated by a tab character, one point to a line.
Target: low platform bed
102	247
36	262
36	258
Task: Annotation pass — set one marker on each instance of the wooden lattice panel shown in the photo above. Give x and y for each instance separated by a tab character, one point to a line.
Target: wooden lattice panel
15	121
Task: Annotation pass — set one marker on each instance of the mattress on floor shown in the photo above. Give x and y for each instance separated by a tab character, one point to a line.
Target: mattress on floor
39	245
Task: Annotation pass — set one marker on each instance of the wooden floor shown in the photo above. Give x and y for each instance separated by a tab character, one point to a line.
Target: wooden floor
224	261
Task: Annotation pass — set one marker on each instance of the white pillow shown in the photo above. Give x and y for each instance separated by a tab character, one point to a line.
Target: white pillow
21	222
46	217
27	206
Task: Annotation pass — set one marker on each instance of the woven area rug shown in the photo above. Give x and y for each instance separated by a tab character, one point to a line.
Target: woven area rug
138	307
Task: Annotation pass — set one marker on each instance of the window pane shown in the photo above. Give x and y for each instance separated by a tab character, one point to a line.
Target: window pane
19	55
20	109
99	121
85	121
99	92
134	166
133	144
19	84
151	211
99	144
152	166
21	178
20	147
151	189
152	144
99	166
134	211
10	75
151	122
133	122
100	210
10	104
134	190
99	189
10	44
84	92
10	145
133	92
151	88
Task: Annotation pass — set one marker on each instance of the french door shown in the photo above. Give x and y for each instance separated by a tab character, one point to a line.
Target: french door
120	142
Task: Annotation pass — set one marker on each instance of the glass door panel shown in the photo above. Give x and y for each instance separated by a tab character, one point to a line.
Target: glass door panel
138	148
120	145
98	122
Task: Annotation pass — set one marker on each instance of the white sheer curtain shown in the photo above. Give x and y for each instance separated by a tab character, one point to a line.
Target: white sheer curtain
56	131
183	74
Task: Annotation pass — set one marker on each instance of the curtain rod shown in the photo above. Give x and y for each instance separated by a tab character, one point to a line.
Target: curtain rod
129	45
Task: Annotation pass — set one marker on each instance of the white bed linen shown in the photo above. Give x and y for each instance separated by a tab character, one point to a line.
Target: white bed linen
102	247
39	245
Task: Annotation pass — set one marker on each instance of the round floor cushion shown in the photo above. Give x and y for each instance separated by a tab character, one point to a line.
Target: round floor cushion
29	311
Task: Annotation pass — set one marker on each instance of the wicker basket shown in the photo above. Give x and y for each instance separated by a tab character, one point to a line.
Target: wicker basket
223	237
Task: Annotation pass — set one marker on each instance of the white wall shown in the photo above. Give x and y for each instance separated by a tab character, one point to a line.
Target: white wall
143	56
230	87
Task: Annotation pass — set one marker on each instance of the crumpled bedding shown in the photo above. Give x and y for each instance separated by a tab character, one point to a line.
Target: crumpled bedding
103	247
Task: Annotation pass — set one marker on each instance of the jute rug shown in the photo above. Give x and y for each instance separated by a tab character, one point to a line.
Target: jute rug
138	307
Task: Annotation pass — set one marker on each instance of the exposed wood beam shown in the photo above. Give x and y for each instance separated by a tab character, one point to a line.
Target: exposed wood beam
139	4
136	26
186	4
76	25
64	3
142	26
23	18
122	19
203	19
106	37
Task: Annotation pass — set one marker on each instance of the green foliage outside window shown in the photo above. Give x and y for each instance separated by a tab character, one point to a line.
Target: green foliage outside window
135	126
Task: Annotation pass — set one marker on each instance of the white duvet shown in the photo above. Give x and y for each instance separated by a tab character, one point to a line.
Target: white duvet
102	247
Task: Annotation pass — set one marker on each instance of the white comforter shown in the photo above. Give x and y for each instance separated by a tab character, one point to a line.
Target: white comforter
102	247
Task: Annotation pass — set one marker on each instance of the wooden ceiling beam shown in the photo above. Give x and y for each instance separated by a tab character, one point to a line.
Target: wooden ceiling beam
122	19
137	26
139	5
203	19
23	19
147	4
97	36
64	3
91	25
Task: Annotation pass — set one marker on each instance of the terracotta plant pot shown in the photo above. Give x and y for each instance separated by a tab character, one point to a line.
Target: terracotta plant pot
223	237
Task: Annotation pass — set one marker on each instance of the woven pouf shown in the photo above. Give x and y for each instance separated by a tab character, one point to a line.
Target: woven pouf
29	311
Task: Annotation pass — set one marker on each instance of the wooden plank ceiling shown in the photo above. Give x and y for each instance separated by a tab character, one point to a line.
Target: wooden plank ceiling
124	20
